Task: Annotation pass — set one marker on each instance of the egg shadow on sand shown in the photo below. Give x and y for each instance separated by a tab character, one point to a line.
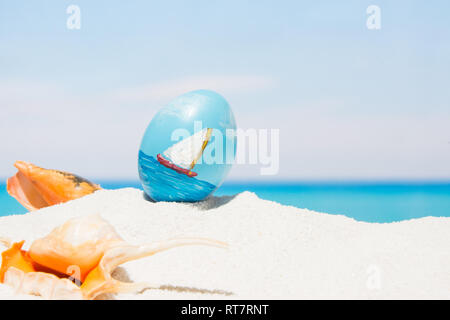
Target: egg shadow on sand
211	202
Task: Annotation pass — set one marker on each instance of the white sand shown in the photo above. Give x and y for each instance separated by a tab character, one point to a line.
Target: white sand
275	251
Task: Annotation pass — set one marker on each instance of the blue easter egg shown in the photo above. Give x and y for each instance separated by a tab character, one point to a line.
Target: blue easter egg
188	148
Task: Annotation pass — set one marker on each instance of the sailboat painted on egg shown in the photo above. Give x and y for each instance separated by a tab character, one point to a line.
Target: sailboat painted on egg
184	155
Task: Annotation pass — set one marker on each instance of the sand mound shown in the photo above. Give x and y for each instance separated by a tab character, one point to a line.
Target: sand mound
275	251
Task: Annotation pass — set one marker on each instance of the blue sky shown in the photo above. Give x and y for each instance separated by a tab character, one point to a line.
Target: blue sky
350	103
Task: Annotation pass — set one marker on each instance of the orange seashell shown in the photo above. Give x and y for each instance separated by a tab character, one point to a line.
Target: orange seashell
35	187
78	242
86	249
15	257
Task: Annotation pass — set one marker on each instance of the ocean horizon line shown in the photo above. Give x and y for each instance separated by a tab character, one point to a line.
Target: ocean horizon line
363	200
299	182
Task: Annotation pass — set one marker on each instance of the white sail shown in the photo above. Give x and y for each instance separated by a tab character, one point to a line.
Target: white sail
187	152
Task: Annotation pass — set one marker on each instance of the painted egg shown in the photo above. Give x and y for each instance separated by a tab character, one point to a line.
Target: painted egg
188	148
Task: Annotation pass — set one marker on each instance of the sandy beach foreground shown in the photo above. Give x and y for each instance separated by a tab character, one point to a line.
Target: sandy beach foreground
275	251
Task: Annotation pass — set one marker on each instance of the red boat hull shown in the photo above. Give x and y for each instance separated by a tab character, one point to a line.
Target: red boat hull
172	166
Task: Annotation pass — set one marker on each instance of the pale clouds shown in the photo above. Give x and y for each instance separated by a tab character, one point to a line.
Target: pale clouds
28	97
316	144
98	136
167	90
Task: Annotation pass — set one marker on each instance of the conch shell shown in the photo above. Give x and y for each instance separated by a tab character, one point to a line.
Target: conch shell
86	250
36	188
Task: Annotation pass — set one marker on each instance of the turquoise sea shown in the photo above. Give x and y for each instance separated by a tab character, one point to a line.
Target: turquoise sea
371	202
